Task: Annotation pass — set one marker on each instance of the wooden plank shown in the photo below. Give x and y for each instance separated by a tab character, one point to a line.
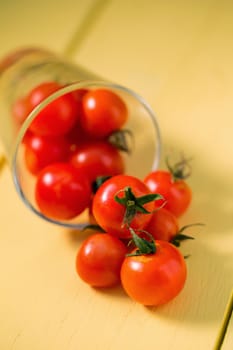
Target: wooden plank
179	57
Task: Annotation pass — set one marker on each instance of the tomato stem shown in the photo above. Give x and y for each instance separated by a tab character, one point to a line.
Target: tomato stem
134	204
99	181
123	140
143	246
2	162
179	237
181	170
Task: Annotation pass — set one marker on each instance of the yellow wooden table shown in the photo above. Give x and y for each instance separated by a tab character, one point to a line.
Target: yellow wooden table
178	55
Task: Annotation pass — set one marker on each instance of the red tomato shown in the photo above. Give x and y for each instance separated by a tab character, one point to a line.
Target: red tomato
62	192
27	136
58	117
159	181
76	137
98	158
177	194
154	279
163	225
20	110
179	197
110	214
99	260
103	112
41	91
78	95
41	151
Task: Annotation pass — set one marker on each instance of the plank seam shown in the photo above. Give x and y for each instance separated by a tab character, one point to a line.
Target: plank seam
84	28
225	323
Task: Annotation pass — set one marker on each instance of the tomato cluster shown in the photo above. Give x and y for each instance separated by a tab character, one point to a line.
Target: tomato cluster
138	246
67	145
67	149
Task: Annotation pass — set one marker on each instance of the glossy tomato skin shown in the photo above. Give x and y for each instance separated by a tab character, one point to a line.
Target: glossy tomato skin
104	112
41	151
62	192
109	214
163	225
154	279
99	260
179	198
20	110
98	158
177	193
159	181
41	91
78	95
58	117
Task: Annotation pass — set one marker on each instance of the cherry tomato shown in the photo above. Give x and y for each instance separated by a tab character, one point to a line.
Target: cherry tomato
163	225
76	137
98	158
20	110
99	260
41	91
103	112
110	214
62	192
27	136
41	151
156	278
58	117
179	197
78	95
159	181
177	194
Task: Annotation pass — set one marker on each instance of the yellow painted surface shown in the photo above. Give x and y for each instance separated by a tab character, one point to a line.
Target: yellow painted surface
178	55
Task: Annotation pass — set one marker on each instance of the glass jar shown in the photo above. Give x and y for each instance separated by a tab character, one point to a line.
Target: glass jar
23	71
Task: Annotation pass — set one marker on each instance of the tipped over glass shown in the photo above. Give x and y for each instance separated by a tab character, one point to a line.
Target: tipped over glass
138	141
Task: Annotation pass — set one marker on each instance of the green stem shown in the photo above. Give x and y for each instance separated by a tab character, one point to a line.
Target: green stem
143	246
179	237
134	204
181	170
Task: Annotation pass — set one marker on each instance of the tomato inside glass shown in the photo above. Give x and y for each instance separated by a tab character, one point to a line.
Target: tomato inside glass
41	151
58	117
21	110
62	192
103	112
98	158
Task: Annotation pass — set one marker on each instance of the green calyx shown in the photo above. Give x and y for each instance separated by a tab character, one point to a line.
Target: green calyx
180	236
134	204
123	140
180	170
99	181
144	247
